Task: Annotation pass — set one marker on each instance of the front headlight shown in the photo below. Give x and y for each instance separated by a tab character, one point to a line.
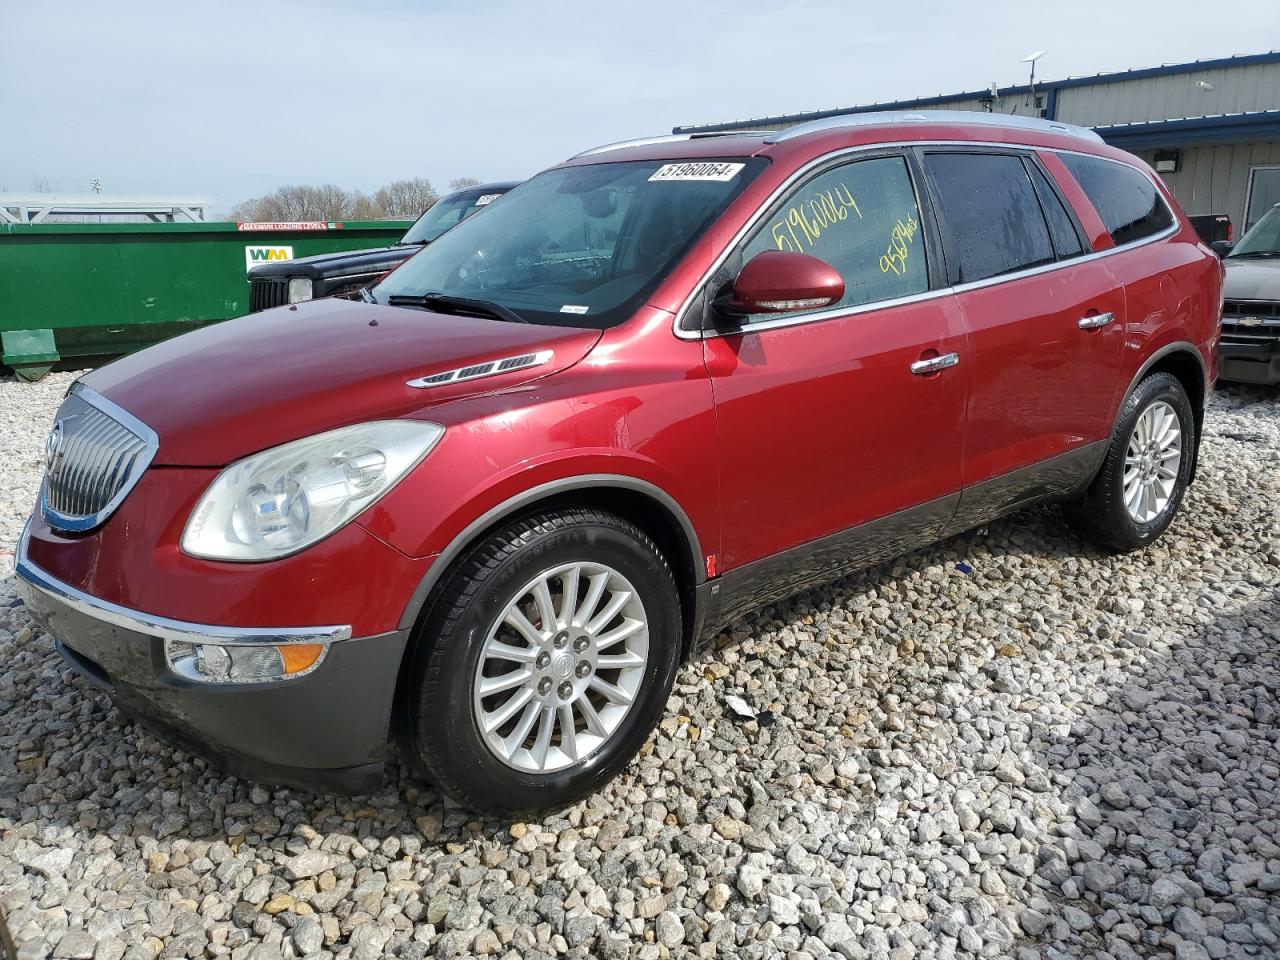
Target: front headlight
276	502
300	289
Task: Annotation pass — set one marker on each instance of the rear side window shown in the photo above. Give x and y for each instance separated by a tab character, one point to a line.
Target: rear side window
1067	241
1130	206
990	214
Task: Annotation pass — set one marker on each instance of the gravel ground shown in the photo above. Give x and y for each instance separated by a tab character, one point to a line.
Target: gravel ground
1008	745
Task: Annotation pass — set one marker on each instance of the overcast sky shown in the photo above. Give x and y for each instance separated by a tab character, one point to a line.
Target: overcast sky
225	99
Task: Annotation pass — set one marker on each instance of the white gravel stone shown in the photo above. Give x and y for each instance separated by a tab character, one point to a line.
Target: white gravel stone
1053	753
311	863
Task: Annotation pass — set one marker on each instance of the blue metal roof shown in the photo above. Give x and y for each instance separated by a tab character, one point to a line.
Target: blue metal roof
1263	124
1048	87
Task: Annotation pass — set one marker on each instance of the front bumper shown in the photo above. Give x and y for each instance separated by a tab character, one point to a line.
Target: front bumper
1251	358
327	730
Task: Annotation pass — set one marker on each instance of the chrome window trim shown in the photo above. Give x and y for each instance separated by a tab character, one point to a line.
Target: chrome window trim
797	319
163	627
76	524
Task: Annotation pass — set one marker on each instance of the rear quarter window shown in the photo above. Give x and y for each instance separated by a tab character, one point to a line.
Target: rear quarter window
1129	204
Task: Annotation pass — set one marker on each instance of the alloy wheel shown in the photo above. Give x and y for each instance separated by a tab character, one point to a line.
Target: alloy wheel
1151	462
561	667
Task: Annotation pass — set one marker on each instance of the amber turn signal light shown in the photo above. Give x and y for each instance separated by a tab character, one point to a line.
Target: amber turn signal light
298	657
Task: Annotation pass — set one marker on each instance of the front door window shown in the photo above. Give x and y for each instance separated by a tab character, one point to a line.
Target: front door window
862	219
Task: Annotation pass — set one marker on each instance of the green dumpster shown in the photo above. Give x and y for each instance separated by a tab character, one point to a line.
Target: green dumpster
76	290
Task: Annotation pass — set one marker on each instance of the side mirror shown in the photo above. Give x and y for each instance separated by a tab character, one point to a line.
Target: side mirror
1221	247
780	281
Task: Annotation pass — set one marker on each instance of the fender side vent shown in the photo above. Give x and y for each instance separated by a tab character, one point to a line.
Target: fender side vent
432	381
515	363
478	370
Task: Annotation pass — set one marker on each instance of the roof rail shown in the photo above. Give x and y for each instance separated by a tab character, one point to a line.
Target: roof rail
1006	120
639	142
665	138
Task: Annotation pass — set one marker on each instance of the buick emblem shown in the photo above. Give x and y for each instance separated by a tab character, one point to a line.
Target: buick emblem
53	447
562	666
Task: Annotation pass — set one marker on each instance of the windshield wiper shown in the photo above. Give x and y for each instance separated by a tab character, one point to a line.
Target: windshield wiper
460	306
1255	254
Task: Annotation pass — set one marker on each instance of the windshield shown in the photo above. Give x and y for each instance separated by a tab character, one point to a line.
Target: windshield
577	246
1262	240
446	212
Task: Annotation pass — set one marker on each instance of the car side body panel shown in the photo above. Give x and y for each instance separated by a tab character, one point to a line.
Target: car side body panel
1041	385
1172	286
650	419
827	413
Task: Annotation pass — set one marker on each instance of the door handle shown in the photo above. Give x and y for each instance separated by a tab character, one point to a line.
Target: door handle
1095	321
934	364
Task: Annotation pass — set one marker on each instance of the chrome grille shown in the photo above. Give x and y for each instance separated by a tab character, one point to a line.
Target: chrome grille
1251	308
94	455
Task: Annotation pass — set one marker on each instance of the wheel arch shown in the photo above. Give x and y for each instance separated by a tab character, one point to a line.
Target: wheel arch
1182	360
645	504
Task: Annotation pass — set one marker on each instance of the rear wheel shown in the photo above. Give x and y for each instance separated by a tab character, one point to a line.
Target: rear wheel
1148	465
545	661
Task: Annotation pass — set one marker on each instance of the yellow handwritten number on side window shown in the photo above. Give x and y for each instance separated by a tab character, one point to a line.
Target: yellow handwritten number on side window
894	258
804	222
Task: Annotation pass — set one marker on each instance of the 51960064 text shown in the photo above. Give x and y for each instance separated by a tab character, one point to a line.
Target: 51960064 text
811	217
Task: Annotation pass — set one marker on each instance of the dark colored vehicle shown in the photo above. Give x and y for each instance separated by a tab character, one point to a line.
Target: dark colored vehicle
494	505
1212	227
340	274
1250	344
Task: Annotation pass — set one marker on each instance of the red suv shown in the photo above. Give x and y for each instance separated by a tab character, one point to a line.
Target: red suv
495	504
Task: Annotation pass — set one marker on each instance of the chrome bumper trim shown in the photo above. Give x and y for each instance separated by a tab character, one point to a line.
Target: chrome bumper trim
163	627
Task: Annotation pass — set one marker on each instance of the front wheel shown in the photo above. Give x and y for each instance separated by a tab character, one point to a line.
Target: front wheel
1148	466
544	662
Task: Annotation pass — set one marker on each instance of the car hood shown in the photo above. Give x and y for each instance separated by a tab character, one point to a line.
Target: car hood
1252	280
228	390
324	265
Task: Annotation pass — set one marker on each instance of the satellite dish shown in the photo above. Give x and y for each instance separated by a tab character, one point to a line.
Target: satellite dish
1033	57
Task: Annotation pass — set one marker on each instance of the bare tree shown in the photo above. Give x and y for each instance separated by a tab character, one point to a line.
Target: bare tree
366	208
325	202
401	199
461	183
405	198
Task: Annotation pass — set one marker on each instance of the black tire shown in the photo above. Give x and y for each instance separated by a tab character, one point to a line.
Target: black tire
1101	515
441	722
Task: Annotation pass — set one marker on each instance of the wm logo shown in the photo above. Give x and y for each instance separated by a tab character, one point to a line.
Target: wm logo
253	256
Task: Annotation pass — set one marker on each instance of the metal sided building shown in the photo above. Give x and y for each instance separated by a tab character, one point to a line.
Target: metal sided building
1211	127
